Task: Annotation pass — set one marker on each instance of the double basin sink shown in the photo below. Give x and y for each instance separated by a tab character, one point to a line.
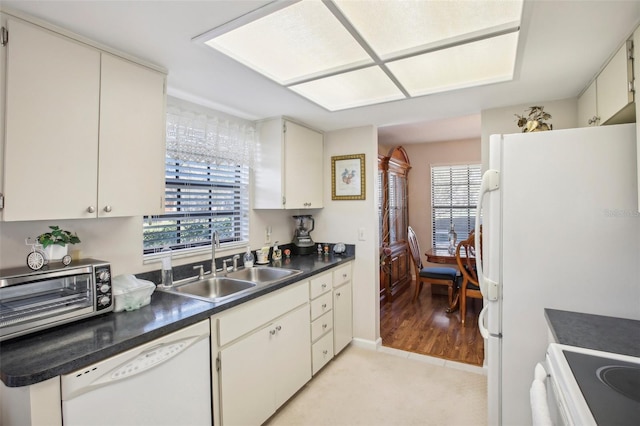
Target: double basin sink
226	285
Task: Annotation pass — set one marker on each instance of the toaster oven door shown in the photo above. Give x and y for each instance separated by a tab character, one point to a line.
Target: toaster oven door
35	305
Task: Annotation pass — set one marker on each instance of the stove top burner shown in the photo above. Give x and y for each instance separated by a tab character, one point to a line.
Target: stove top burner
622	379
609	386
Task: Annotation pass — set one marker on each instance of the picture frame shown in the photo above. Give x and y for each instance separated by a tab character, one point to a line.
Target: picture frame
348	179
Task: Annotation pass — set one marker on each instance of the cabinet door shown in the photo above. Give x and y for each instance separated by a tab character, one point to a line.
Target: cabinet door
342	317
132	142
587	107
612	87
51	145
292	347
303	167
246	386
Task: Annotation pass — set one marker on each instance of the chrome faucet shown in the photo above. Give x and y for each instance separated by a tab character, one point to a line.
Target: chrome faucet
215	242
236	257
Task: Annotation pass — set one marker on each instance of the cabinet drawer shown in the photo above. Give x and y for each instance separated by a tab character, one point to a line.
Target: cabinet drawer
321	326
321	352
321	305
320	285
341	275
254	314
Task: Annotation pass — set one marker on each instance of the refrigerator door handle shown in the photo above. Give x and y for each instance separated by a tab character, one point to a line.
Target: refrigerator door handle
490	182
484	331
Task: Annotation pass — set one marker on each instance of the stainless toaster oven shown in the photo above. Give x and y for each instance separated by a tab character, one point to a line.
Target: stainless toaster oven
35	300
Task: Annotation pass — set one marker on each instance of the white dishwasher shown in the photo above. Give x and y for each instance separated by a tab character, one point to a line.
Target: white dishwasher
164	382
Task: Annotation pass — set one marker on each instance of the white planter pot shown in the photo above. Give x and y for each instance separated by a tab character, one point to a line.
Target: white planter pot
56	252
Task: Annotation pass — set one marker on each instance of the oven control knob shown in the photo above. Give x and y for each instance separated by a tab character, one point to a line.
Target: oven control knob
104	301
104	276
104	288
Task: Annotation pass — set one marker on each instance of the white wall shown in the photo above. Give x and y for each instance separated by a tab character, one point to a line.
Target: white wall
564	115
341	220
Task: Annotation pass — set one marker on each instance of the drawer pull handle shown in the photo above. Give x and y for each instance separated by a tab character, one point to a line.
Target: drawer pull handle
324	286
344	275
325	352
278	328
324	325
272	332
324	306
338	294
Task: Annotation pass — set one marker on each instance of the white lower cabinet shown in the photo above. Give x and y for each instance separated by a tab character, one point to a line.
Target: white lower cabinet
321	320
342	308
266	349
260	370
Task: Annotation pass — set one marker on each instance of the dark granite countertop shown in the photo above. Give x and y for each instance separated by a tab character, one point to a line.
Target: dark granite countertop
602	333
40	356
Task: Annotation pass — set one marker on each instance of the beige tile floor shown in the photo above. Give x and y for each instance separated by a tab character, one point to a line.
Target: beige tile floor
388	387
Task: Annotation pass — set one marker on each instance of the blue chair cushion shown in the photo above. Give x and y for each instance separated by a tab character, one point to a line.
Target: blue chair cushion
439	273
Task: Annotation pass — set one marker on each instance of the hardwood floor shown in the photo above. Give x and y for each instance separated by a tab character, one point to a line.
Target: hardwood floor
424	327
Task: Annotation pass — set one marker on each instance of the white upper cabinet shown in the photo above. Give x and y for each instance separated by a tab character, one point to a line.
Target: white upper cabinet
289	166
610	98
615	88
51	139
84	130
132	142
588	107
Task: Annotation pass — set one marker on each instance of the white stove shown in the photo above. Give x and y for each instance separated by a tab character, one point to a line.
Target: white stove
589	387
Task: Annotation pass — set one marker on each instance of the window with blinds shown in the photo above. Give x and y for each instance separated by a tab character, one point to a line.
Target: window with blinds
206	183
454	197
200	197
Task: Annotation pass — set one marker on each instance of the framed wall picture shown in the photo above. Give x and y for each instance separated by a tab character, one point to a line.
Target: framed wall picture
348	177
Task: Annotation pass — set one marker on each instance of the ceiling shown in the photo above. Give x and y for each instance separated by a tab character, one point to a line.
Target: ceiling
562	46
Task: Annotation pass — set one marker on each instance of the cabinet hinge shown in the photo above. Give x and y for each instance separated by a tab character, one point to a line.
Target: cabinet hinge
284	127
632	86
284	201
218	364
4	36
1	201
629	49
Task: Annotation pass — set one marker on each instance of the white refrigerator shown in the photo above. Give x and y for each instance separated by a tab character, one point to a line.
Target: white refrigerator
561	230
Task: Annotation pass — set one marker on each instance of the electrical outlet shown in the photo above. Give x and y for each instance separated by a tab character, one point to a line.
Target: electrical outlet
361	234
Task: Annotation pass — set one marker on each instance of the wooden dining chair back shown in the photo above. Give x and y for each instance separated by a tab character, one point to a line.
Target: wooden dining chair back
469	287
430	275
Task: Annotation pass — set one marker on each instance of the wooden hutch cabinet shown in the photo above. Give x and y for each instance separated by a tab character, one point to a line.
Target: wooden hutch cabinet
395	273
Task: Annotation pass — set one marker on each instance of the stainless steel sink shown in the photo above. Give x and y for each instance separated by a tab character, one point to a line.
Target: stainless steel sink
215	288
234	283
263	274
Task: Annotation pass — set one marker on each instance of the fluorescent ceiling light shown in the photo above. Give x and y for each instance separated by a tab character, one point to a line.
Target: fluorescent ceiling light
482	62
344	53
351	89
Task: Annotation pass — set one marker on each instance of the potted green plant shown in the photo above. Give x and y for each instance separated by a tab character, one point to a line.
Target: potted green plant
54	243
535	120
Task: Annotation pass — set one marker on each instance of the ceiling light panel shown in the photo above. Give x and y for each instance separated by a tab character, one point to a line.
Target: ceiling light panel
352	89
293	44
482	62
392	28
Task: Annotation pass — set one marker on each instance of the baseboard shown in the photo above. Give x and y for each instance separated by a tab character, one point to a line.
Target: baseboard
367	344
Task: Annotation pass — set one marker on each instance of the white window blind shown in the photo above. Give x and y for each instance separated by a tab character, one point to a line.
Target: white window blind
205	188
454	197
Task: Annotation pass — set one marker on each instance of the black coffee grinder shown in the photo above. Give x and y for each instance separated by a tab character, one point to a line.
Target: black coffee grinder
302	242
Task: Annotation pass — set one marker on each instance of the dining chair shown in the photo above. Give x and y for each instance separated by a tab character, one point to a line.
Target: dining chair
469	287
430	275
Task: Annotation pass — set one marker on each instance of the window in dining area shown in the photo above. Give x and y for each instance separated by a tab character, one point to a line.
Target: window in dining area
454	197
